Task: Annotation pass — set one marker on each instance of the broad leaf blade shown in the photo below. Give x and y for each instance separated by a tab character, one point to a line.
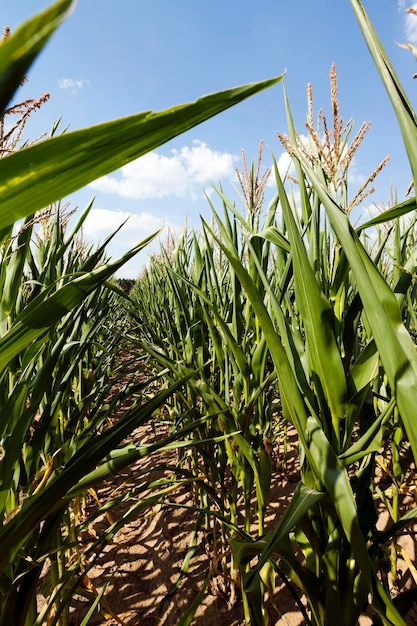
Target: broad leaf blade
325	360
35	177
395	346
18	52
303	499
405	114
390	214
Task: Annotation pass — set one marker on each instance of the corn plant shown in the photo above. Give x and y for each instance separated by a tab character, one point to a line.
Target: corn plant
335	320
56	342
190	303
347	390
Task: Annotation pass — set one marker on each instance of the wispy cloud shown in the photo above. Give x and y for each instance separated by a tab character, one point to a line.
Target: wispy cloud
186	171
102	222
74	84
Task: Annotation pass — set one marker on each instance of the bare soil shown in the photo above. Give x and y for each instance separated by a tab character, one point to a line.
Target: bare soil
141	566
142	563
144	560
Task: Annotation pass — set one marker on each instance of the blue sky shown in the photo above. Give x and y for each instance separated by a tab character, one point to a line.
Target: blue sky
110	59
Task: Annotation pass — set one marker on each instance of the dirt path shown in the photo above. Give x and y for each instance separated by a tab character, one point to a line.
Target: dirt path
142	563
145	557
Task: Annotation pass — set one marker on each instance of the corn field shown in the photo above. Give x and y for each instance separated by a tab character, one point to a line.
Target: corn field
276	332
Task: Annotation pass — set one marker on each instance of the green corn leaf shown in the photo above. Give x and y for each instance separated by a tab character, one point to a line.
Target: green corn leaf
336	481
188	615
252	585
18	51
96	604
390	214
42	314
364	369
272	234
395	346
371	440
34	177
405	114
77	228
325	360
249	455
14	269
394	530
302	501
384	606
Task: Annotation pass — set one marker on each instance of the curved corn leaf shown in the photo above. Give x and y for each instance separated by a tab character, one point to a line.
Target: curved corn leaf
396	348
188	616
383	605
41	314
364	369
390	214
273	235
371	440
324	356
18	51
405	113
34	177
277	542
303	499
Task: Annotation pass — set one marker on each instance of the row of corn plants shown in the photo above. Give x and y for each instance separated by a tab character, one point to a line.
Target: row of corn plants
302	315
192	315
54	397
61	329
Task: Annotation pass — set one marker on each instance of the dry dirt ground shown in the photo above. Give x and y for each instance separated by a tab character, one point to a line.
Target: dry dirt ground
144	559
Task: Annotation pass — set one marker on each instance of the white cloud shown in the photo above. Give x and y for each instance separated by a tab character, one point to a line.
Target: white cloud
102	222
410	26
185	172
129	270
204	165
75	84
285	166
